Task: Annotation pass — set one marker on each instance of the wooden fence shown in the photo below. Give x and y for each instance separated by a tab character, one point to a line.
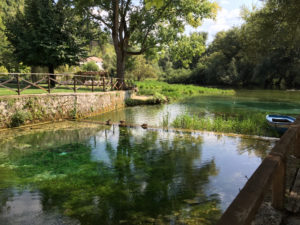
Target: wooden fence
19	82
271	173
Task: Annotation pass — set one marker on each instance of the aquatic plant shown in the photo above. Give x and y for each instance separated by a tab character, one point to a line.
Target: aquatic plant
19	118
138	185
242	123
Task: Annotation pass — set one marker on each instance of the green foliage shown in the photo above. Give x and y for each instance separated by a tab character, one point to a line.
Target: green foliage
263	52
139	26
141	69
3	69
7	58
243	123
47	34
176	91
187	49
19	118
90	66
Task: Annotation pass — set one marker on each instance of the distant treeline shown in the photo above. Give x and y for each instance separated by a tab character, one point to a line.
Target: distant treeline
264	52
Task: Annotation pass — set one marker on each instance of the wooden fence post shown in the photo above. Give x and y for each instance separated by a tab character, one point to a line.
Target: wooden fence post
103	82
92	84
49	84
18	84
278	185
74	84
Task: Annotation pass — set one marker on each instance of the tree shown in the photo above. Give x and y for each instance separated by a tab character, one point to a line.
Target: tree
47	34
138	26
271	38
141	69
8	8
188	49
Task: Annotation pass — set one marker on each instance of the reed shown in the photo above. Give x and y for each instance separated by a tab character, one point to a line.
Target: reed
251	124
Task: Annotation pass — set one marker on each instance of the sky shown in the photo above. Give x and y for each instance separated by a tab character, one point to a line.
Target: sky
227	17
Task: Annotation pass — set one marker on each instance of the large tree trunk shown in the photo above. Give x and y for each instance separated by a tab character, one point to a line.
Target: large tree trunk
120	69
52	76
120	66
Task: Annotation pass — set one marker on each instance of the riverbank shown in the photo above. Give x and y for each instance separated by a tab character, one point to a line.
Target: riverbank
176	91
27	109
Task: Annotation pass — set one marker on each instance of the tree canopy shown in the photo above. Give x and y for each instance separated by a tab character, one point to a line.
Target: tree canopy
138	26
46	34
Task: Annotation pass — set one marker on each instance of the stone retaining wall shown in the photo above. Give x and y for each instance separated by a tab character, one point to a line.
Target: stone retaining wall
24	109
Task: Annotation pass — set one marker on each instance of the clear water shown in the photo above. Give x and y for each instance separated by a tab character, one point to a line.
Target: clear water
244	101
106	175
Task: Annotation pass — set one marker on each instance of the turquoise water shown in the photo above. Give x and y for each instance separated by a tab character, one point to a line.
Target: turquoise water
111	175
243	102
77	173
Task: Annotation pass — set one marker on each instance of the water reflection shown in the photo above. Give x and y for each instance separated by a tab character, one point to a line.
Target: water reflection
122	176
277	102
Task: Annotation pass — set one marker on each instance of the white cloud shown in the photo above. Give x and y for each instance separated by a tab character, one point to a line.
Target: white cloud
224	2
225	20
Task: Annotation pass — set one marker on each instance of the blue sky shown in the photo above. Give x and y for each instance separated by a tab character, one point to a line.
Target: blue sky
227	17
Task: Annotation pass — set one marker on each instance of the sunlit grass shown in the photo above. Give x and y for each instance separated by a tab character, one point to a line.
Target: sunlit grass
177	91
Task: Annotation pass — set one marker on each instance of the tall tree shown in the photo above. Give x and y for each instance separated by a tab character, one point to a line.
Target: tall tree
47	34
138	26
8	8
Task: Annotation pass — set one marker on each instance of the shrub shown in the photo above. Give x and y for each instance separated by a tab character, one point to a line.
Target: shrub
19	118
90	66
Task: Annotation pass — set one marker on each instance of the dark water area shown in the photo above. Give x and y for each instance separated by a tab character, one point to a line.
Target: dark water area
111	175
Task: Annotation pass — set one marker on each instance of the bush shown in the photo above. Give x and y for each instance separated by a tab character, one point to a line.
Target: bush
3	69
19	118
90	66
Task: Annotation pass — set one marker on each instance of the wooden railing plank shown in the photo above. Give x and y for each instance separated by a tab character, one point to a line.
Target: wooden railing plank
103	83
244	207
33	84
271	171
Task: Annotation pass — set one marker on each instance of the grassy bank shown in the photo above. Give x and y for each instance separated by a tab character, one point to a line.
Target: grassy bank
251	124
177	91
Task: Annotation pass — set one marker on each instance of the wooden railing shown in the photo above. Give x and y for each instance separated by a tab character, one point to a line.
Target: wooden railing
19	82
271	173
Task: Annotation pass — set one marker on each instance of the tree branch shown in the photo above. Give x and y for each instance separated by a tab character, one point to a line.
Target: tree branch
100	19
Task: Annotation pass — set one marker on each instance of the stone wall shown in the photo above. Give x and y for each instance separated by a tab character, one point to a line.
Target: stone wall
24	109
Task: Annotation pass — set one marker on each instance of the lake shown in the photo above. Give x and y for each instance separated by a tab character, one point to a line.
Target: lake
243	102
79	173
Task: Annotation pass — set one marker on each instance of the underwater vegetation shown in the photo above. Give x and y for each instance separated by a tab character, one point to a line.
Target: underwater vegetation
139	182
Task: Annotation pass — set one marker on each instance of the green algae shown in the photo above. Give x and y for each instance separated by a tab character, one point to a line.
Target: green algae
139	185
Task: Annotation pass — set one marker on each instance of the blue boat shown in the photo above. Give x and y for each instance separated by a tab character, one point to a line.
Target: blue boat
280	123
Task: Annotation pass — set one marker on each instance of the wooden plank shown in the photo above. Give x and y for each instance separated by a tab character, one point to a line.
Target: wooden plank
244	207
33	84
5	82
286	143
278	186
294	196
60	84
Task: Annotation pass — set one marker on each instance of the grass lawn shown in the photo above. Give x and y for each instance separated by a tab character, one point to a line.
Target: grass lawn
34	90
